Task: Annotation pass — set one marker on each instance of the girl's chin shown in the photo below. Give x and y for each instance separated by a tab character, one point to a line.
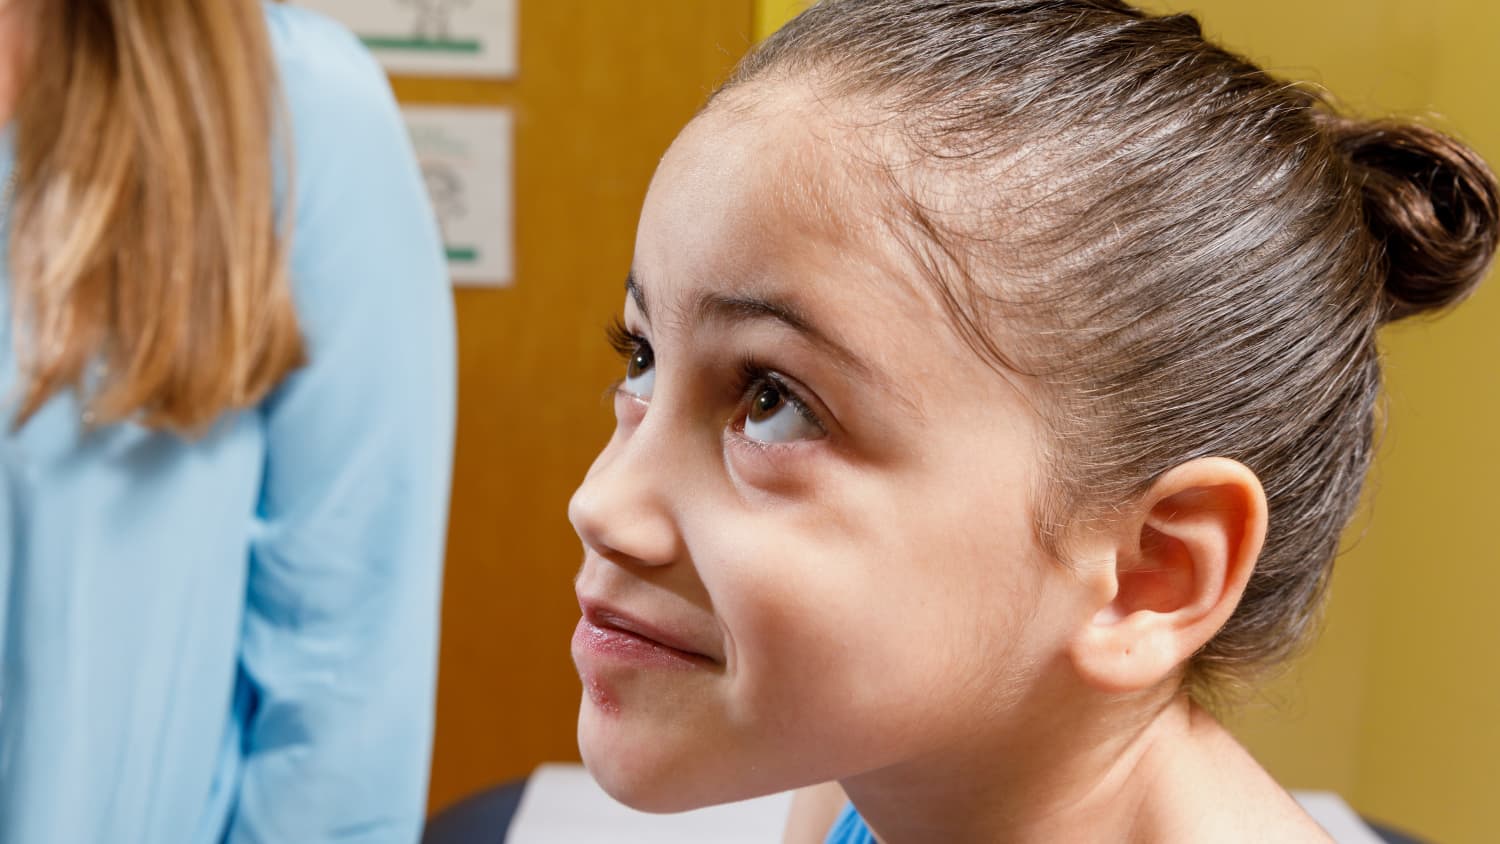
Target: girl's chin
648	771
629	766
653	788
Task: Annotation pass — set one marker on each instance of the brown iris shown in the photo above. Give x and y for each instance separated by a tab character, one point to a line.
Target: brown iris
640	362
765	404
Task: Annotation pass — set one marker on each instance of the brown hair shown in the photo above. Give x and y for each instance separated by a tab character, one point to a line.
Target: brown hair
1208	250
148	269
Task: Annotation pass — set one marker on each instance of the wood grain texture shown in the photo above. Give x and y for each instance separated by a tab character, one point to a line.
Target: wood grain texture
604	86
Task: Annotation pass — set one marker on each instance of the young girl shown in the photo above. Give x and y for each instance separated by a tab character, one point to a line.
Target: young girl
1000	377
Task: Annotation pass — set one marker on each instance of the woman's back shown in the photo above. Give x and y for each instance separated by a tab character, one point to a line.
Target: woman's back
192	629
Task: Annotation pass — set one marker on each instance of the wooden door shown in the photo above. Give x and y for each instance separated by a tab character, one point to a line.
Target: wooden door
604	86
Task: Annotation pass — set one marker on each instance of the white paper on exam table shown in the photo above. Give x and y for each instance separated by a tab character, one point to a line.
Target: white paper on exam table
562	803
1337	819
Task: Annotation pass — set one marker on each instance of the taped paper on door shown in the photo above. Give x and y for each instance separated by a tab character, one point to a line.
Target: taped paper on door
466	158
434	37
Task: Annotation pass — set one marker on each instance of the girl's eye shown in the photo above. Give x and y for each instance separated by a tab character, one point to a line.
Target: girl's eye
640	371
640	361
775	415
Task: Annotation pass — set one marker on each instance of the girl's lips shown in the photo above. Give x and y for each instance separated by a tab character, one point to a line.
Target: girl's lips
608	633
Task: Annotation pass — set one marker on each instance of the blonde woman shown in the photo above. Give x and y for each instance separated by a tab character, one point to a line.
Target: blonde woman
227	378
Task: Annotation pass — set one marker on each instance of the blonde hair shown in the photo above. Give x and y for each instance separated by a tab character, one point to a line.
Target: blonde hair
148	270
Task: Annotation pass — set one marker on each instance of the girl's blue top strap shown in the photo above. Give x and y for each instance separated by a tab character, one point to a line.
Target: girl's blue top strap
850	829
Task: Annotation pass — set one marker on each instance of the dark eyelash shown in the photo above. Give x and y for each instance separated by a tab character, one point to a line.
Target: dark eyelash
624	341
754	376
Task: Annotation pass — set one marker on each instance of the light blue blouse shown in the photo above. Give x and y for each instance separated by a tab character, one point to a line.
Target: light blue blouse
234	638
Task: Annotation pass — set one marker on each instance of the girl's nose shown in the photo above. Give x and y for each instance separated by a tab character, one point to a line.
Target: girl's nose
622	511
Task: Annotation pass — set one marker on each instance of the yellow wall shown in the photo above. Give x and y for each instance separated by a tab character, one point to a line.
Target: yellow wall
1396	706
771	14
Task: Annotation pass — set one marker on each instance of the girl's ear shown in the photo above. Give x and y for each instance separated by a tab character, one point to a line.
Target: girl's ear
1180	562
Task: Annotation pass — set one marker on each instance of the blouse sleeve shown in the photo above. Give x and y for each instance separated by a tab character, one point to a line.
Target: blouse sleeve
340	637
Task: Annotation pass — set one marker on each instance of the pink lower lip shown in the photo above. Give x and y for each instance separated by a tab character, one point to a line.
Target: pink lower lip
619	645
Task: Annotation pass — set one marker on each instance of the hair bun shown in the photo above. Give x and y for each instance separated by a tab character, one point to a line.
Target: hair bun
1432	202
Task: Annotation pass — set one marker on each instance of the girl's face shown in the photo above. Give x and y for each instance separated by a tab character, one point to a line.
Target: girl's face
808	545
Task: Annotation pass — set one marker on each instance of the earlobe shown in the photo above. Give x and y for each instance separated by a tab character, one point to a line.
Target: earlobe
1180	565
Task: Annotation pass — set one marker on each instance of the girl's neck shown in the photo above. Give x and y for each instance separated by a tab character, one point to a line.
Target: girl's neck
1158	779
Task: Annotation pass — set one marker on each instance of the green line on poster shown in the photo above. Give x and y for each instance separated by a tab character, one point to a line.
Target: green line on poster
463	254
386	42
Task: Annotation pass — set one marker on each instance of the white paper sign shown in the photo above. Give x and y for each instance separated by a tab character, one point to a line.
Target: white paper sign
466	157
433	37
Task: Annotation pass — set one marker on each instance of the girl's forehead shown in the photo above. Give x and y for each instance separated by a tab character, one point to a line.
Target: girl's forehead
741	206
749	189
819	161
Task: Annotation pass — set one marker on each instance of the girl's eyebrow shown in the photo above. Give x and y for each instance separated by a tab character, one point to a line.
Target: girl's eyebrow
633	287
742	308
